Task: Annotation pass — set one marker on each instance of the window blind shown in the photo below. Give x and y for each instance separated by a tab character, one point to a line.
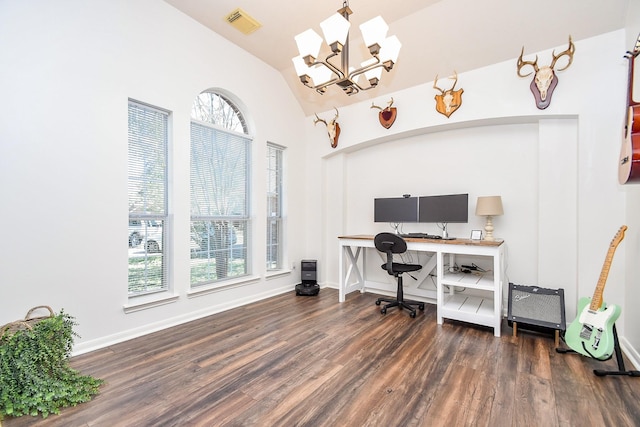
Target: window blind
219	203
147	191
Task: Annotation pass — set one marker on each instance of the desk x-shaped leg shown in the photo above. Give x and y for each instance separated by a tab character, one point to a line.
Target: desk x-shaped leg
352	268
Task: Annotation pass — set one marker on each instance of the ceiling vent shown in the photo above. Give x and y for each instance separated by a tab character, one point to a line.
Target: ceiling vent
240	20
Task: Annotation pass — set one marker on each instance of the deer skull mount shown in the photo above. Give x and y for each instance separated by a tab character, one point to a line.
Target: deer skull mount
449	100
545	79
333	128
387	115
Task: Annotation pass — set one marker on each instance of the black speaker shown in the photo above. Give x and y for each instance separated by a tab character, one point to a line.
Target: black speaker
536	306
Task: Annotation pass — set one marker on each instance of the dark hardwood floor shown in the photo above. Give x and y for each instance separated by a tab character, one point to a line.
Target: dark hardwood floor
309	361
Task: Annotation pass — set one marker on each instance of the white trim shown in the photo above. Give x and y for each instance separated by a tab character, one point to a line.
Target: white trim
149	303
631	353
272	274
219	286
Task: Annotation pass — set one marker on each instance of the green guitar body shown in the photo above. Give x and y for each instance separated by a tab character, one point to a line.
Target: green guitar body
591	333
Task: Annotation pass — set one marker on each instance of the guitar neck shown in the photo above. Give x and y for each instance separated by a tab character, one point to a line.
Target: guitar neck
631	56
596	300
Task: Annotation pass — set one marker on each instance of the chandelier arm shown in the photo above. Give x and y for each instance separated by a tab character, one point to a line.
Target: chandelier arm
369	67
325	84
340	72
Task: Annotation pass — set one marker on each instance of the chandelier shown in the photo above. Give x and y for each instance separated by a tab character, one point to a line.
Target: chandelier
318	74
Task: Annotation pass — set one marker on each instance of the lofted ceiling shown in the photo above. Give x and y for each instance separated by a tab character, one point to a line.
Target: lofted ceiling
437	36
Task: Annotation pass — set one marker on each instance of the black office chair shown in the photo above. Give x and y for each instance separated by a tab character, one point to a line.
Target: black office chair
390	244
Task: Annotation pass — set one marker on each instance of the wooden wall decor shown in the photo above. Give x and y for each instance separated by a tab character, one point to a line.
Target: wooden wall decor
386	116
449	100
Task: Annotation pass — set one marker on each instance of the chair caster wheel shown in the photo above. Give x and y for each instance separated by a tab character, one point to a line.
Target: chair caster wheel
412	314
377	302
421	307
383	311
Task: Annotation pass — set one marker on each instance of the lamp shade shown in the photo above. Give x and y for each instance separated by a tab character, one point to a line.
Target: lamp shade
300	66
374	31
320	74
335	29
390	49
374	73
309	43
489	206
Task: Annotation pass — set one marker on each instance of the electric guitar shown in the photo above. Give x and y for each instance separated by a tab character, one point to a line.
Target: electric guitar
629	165
591	333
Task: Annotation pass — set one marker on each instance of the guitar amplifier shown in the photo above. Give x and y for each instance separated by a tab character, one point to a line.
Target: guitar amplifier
536	306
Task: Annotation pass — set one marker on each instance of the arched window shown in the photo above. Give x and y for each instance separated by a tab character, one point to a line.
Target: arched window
220	166
216	109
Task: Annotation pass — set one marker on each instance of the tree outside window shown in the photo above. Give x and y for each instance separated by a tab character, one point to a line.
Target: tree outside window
220	165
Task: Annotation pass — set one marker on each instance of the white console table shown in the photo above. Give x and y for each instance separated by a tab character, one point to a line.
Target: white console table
452	304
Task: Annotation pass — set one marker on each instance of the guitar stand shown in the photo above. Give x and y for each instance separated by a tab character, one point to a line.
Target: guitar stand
600	372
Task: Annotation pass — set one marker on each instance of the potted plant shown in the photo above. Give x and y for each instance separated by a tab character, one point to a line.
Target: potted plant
35	377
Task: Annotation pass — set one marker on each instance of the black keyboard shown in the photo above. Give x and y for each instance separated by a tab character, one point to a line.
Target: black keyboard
421	236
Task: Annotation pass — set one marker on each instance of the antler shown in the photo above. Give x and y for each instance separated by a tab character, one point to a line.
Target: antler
318	119
436	87
570	51
389	104
455	76
522	63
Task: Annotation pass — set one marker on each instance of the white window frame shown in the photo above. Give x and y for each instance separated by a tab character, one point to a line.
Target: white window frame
148	157
220	228
275	223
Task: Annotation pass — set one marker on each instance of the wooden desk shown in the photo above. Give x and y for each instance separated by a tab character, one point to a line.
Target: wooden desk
453	304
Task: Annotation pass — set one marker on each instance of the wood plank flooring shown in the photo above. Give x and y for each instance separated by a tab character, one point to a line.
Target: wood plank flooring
309	361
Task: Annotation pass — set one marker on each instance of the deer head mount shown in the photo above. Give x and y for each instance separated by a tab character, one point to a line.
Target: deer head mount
449	100
387	115
545	79
333	128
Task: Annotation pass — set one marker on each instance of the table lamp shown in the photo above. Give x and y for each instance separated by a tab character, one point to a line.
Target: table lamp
489	206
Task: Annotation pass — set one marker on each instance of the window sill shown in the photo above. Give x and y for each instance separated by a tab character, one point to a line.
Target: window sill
276	273
217	287
149	301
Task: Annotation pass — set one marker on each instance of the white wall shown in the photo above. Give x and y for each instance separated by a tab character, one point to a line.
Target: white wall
70	67
556	169
67	71
632	193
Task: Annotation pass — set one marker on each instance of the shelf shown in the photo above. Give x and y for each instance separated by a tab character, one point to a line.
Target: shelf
470	309
470	280
472	297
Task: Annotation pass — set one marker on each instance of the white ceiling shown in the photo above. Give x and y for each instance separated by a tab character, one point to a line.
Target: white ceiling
437	36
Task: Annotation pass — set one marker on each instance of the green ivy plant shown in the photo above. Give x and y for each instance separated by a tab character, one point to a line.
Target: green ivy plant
35	377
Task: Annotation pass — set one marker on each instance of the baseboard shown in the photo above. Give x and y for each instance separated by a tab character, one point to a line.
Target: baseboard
631	353
106	341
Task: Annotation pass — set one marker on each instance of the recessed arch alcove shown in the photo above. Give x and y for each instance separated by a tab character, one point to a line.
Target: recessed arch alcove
531	161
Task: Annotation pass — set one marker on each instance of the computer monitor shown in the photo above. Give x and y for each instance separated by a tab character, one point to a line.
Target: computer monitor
395	209
444	209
